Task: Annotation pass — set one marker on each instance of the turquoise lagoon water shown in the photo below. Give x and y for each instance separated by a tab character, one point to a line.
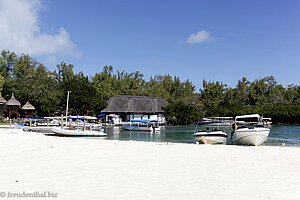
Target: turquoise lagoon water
288	134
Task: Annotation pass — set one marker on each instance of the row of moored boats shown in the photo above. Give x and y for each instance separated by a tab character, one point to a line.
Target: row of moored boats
246	129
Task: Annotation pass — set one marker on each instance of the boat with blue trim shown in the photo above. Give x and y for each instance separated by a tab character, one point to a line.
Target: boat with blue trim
142	125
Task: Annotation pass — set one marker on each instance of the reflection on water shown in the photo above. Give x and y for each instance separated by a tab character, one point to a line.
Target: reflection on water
184	134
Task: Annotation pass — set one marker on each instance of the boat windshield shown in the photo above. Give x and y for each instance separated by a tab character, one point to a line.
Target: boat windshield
248	119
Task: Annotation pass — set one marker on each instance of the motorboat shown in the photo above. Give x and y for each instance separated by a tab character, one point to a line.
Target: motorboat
249	130
213	136
71	131
142	125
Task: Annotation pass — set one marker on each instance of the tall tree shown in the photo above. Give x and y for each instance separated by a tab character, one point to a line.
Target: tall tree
2	80
181	113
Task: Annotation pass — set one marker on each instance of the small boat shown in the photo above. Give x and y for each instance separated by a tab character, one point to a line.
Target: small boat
80	131
84	129
213	136
74	132
141	125
249	130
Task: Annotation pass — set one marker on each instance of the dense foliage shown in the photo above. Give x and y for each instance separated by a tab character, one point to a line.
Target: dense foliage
46	90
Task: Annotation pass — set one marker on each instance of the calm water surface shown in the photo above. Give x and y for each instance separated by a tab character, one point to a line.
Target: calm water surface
288	134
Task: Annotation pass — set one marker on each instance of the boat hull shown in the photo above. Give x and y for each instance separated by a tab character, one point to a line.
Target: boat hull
215	137
74	133
38	129
251	136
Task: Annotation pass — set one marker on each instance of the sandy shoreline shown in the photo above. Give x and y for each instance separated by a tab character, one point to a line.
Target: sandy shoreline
78	168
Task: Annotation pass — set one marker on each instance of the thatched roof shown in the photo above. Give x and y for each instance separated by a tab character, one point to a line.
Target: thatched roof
135	104
13	101
2	100
28	106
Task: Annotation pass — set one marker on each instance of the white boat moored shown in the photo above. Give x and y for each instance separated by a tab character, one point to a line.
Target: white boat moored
211	137
254	136
251	132
73	132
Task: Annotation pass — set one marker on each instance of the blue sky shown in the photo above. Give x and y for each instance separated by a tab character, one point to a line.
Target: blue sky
195	40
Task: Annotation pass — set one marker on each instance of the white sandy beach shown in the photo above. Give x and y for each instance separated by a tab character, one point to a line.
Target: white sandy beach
79	168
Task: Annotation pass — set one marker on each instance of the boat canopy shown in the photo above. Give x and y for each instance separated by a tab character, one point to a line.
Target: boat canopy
77	118
64	117
247	116
36	118
204	122
219	117
89	117
142	120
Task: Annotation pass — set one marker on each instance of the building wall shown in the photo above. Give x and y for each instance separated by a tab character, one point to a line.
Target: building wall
162	118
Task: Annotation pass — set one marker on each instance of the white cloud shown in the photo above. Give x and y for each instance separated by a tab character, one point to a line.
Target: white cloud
199	37
20	31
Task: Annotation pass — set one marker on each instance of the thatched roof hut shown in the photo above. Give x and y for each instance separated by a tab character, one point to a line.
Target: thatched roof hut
13	101
2	100
135	104
28	106
13	106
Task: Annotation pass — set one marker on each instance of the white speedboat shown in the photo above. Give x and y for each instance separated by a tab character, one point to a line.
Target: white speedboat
211	137
249	130
74	132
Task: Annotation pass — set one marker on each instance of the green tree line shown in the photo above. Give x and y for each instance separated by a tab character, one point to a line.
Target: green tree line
31	81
